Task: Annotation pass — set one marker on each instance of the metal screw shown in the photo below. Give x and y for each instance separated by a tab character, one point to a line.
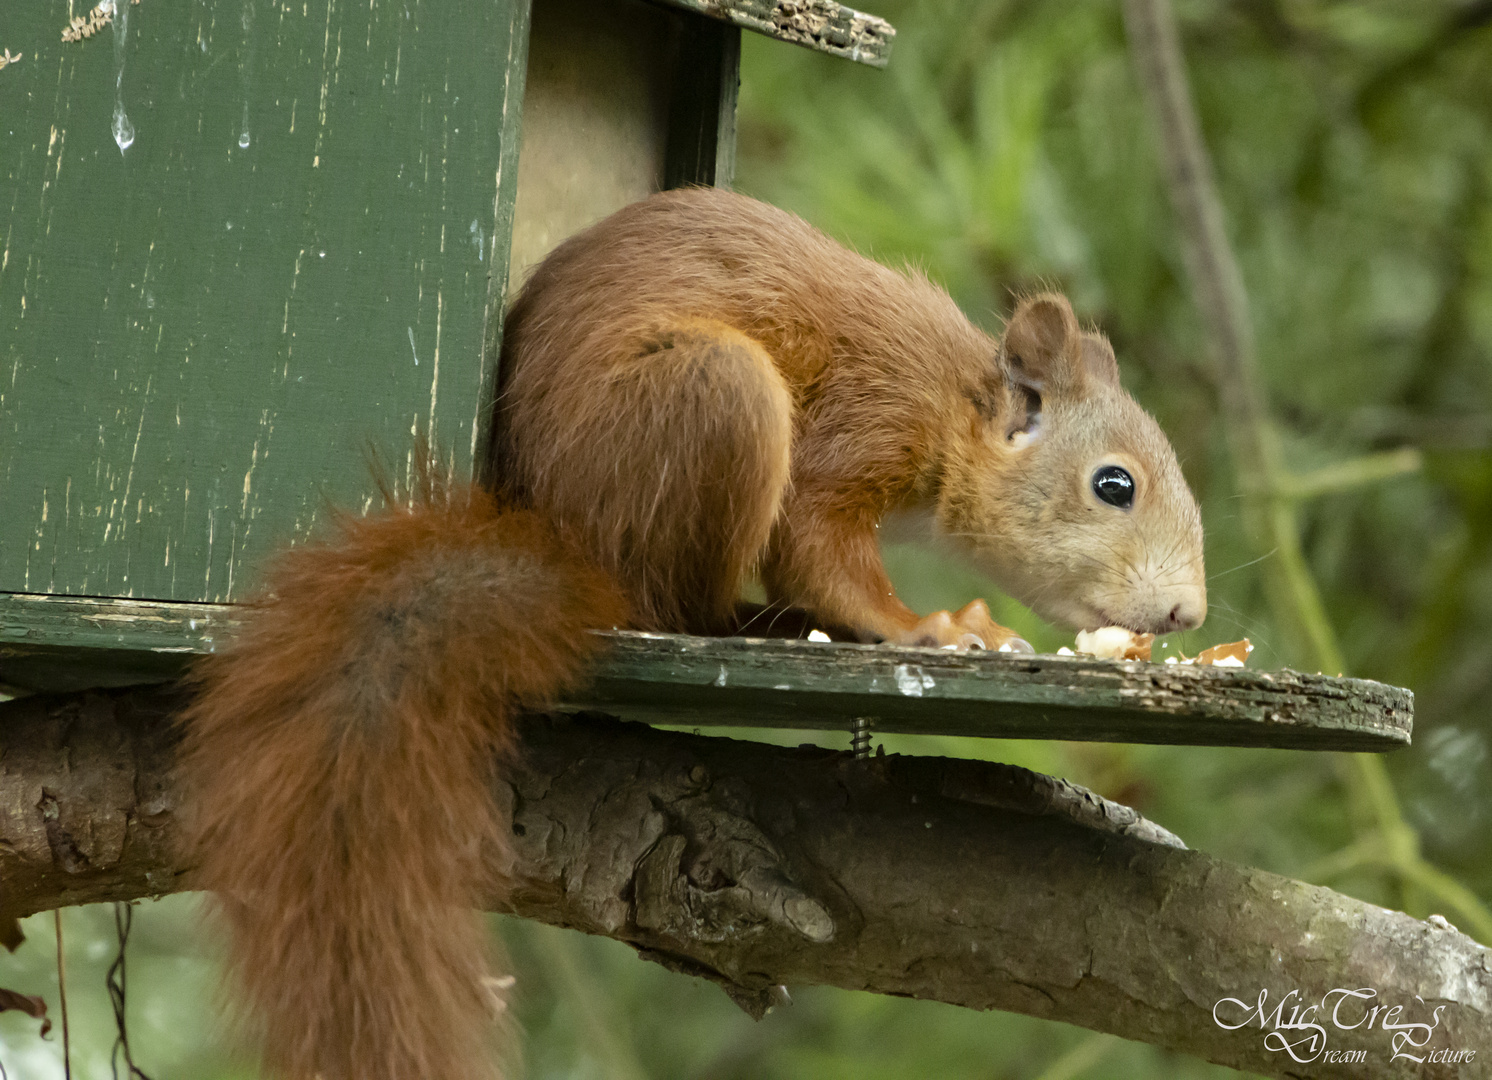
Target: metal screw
860	728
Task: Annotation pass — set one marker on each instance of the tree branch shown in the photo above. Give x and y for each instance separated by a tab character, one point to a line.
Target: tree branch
982	885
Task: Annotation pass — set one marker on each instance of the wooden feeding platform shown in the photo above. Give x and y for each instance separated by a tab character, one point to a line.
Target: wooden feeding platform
776	683
668	678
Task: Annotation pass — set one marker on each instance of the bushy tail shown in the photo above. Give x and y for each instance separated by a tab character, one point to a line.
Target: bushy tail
339	764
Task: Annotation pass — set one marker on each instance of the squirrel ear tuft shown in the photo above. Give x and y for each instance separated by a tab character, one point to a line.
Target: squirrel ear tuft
1042	342
1098	359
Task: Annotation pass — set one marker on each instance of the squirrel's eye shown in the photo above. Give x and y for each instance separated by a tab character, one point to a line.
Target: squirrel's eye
1114	486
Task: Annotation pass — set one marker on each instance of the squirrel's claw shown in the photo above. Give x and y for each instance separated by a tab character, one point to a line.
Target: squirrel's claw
970	627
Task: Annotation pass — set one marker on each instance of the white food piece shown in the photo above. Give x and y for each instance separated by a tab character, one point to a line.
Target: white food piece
1107	642
817	635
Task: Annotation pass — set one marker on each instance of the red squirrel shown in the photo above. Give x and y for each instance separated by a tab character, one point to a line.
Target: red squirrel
696	388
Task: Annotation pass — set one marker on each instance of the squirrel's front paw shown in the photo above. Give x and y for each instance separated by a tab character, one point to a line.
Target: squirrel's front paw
970	627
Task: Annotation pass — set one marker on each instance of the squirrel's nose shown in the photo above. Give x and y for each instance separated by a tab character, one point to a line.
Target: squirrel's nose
1188	612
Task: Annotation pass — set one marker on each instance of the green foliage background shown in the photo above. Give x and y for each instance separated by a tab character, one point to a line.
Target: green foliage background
1007	148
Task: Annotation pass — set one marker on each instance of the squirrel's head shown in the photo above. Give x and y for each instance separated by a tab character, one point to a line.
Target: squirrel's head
1069	492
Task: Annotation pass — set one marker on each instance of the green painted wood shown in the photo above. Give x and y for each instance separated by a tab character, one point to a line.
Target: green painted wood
702	106
821	25
300	254
661	678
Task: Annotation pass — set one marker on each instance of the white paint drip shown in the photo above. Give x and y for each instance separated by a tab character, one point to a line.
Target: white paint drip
440	312
245	66
123	128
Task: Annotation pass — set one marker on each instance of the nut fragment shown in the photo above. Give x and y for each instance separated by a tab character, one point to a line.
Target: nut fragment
1119	643
1233	654
1114	643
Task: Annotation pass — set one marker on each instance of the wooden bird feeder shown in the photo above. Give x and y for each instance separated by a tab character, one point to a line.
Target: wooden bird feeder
290	234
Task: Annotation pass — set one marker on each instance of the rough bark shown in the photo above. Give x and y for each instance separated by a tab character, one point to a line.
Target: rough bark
982	885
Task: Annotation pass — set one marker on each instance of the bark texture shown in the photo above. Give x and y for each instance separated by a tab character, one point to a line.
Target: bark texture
982	885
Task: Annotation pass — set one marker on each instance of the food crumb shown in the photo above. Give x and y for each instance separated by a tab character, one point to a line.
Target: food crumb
1114	643
1119	643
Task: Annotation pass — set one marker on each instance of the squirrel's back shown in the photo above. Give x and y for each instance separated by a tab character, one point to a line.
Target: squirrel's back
709	253
700	328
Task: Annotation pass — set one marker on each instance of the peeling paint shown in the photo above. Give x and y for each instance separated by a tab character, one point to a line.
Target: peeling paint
152	386
911	680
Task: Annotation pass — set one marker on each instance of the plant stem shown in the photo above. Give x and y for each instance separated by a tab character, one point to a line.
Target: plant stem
67	1052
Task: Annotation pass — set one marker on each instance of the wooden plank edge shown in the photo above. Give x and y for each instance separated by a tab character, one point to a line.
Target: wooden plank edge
676	679
821	25
787	684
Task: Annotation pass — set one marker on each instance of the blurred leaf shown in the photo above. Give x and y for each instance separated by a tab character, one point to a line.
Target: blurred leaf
30	1004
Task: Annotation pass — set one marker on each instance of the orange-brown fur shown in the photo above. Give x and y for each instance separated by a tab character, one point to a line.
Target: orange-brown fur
339	760
698	387
660	366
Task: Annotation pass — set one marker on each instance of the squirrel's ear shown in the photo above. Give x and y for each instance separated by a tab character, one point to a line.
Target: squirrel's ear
1042	342
1098	359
